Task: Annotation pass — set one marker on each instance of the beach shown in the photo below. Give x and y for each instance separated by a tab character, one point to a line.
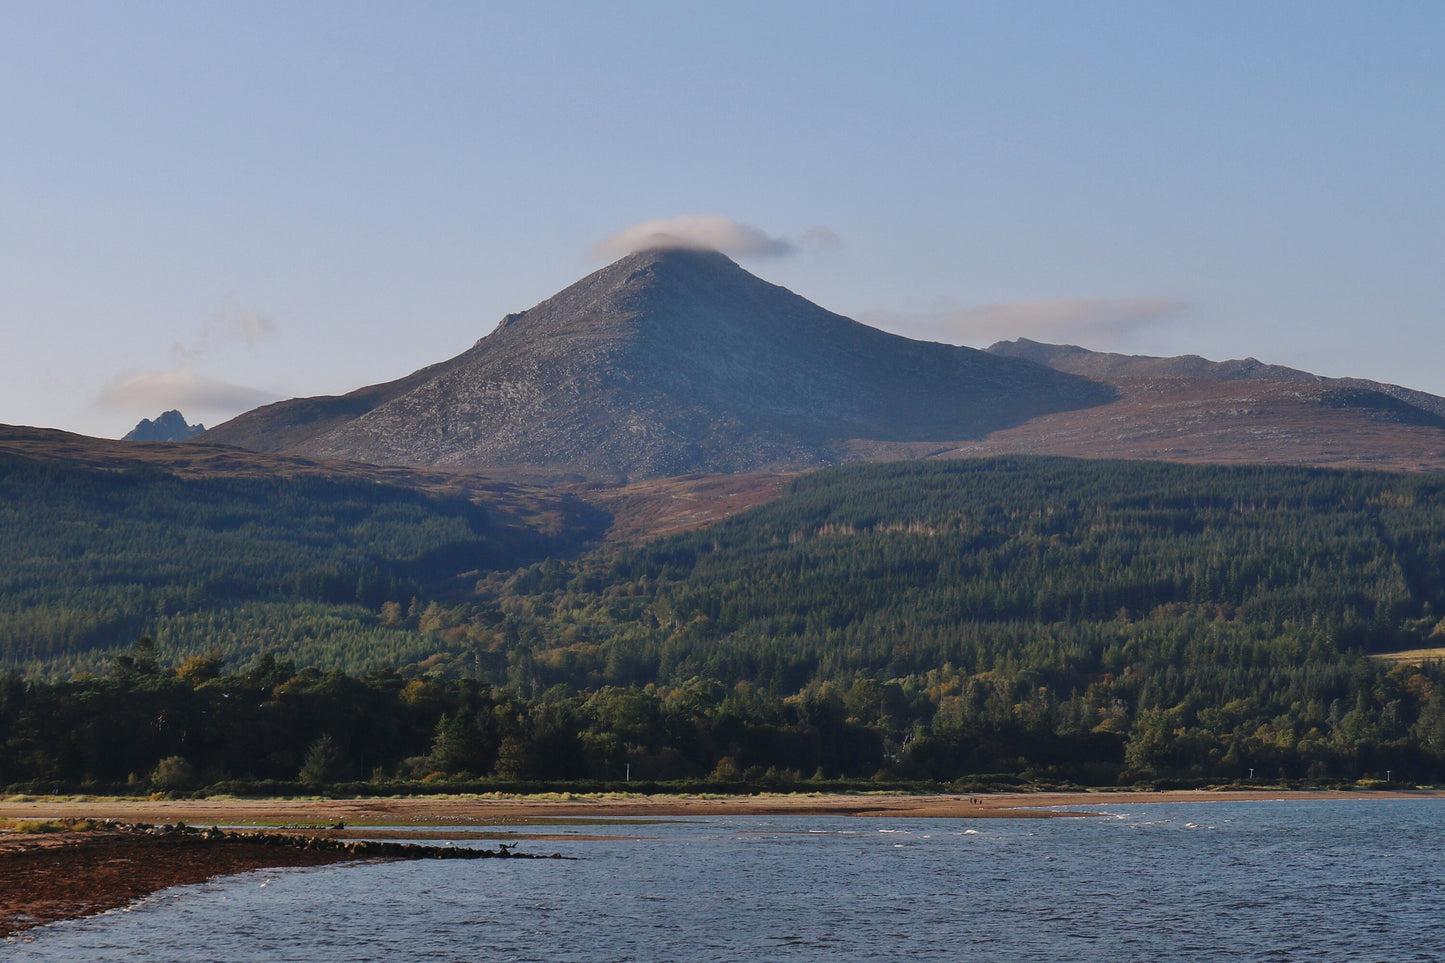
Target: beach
482	810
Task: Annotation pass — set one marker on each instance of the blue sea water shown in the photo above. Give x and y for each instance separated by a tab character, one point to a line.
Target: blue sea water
1296	880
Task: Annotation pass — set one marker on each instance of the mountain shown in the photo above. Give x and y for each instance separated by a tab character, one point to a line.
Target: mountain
1190	409
668	362
674	362
170	426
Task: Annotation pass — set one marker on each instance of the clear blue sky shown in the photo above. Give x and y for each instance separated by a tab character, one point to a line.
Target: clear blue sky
207	205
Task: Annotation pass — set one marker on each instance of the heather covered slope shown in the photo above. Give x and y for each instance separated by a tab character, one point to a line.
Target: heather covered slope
1192	410
665	363
1113	368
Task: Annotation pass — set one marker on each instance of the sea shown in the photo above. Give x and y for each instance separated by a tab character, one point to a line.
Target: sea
1357	880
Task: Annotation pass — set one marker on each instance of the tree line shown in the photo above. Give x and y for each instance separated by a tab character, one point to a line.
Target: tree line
270	727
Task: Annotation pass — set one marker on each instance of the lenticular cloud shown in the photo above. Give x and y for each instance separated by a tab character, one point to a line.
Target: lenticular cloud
180	388
704	231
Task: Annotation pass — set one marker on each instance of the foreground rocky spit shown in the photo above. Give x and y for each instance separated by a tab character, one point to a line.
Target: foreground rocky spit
45	877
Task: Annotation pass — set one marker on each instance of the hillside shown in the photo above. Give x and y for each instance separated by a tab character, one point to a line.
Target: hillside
1188	409
1001	615
993	619
982	564
203	546
209	548
1093	621
1110	367
667	363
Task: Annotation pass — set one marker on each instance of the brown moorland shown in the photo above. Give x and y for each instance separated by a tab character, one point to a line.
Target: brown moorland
1225	422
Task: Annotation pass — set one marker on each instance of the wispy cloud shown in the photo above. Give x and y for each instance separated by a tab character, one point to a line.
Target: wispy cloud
820	237
181	388
1091	322
710	232
228	326
182	385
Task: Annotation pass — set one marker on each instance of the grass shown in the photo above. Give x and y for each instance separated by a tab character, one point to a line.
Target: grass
1411	656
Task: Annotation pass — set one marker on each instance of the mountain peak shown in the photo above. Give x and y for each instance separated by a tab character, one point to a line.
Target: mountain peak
665	362
644	281
168	426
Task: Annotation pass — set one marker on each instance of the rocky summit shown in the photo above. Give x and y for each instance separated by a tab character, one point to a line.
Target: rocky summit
168	426
669	362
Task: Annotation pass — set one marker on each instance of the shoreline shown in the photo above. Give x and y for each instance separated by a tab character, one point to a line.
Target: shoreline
88	869
46	877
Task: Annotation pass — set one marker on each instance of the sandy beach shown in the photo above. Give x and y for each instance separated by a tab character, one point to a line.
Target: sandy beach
485	810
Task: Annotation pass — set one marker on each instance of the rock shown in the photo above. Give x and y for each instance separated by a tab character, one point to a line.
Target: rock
169	426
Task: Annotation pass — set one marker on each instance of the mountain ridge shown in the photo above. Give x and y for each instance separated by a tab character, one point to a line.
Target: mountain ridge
1108	366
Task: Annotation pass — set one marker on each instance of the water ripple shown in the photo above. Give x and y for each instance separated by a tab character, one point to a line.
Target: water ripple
1330	881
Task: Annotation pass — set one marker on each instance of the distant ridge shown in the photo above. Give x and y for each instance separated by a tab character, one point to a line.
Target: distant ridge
1191	409
1110	367
666	363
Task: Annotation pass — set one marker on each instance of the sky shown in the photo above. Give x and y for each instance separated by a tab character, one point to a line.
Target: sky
213	206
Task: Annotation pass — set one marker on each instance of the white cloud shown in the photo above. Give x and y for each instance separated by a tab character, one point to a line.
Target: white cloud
181	388
1090	322
698	231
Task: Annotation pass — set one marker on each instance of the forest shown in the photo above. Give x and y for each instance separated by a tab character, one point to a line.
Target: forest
1019	619
272	729
95	558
